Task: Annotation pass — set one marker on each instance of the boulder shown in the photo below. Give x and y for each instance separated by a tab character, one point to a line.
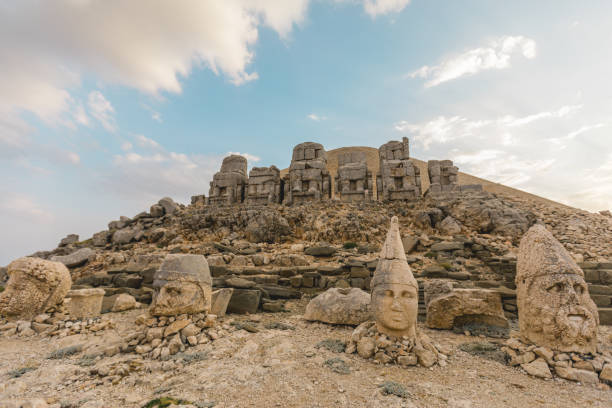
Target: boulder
101	238
244	301
124	302
77	258
239	283
220	301
340	306
156	211
449	226
69	240
466	307
123	236
267	226
537	368
169	205
320	250
410	242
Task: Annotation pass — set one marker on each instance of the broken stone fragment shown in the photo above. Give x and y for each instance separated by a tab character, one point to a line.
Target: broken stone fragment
340	306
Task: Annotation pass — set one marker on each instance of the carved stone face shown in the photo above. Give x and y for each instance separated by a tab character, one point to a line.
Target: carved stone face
176	297
395	308
183	286
559	312
555	309
34	285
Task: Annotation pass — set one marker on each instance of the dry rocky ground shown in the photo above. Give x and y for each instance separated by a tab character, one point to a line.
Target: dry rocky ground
264	366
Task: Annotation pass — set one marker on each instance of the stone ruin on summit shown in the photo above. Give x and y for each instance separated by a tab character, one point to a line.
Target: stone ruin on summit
264	185
354	179
228	185
399	178
308	178
442	176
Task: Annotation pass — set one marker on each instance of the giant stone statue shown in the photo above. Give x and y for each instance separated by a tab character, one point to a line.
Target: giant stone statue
264	185
182	286
554	306
308	178
354	180
399	178
228	185
34	286
395	292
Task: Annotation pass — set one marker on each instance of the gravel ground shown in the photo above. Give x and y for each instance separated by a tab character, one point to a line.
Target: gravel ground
275	368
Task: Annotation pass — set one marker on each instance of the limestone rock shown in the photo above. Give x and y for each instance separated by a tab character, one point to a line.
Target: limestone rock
123	236
366	347
267	226
220	301
69	240
244	301
85	303
77	258
34	286
340	306
449	226
101	238
169	205
124	302
537	368
464	307
606	373
320	250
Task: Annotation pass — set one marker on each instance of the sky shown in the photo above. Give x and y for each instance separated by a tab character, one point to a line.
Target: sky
106	105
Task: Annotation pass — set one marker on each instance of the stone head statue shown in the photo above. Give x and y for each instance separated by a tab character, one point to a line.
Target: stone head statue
34	286
555	309
394	289
182	286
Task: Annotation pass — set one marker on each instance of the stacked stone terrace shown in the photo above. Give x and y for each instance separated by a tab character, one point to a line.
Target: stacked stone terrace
309	180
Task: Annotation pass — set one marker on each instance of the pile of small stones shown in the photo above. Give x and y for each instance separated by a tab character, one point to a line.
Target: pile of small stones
54	324
542	362
167	335
369	343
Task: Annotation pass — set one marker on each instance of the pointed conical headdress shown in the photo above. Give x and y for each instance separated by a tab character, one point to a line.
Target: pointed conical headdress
541	254
392	265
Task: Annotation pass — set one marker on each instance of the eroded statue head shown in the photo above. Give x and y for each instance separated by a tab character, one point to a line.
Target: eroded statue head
182	286
555	309
394	289
34	286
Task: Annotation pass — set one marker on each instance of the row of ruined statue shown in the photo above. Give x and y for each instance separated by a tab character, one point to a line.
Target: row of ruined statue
309	179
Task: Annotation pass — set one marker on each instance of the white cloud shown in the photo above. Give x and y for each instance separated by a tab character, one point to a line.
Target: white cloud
23	206
562	142
496	55
101	109
379	7
144	141
445	129
46	46
125	146
315	117
499	166
595	192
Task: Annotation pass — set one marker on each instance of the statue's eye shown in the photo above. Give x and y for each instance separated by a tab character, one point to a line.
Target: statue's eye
579	289
406	294
389	293
556	288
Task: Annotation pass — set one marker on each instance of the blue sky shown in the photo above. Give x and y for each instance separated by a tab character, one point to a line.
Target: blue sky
106	106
